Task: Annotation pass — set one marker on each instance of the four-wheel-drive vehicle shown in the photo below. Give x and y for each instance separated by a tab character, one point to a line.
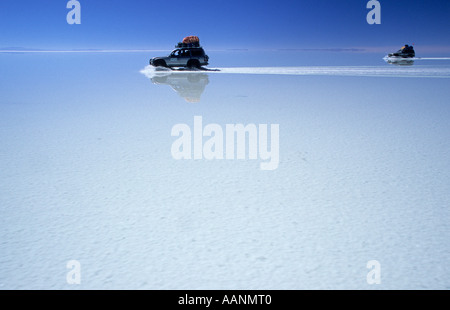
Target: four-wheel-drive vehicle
403	57
407	51
188	53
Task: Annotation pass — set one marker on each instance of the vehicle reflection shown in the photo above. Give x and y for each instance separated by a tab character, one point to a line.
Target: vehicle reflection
400	62
189	85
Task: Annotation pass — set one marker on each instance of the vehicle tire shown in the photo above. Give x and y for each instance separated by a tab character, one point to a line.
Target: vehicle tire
160	63
193	63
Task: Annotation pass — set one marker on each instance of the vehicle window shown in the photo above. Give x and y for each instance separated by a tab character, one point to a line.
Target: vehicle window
197	53
175	53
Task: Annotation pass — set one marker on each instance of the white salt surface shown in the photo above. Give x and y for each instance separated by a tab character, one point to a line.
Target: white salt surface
364	175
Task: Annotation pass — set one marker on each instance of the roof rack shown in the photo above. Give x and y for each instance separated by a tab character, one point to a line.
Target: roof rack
180	44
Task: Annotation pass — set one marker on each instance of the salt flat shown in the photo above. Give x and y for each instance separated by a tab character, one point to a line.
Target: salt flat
87	174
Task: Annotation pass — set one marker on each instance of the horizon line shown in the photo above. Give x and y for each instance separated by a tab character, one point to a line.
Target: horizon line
427	48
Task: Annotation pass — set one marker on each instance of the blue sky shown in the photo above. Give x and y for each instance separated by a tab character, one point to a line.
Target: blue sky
143	24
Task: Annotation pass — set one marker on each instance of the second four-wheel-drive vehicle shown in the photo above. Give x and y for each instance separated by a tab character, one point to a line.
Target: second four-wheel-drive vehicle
188	53
407	51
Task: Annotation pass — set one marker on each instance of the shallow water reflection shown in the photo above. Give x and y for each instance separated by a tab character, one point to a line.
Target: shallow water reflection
190	86
400	62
